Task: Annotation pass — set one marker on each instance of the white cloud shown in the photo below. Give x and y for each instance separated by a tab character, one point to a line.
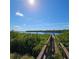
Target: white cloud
17	28
19	14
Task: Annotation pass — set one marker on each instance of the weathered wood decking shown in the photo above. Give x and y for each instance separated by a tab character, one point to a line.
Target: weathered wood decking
50	49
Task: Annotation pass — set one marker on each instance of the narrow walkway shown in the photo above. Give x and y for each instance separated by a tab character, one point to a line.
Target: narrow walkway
51	50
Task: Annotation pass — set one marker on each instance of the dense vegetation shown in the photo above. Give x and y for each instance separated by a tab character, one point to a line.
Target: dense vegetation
26	44
64	38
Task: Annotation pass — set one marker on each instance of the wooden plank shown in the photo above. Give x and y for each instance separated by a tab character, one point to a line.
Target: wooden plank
65	50
62	46
50	51
51	48
57	52
41	54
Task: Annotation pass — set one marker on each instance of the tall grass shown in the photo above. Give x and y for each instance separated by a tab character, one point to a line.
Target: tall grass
30	44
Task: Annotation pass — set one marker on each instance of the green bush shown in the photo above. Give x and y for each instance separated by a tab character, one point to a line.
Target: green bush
64	38
23	43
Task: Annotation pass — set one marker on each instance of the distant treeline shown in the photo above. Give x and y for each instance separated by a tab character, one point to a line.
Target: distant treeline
58	31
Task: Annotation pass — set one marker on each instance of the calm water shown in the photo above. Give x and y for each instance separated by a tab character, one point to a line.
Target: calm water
44	33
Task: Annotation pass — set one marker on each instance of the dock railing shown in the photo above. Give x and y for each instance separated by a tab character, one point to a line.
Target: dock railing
48	50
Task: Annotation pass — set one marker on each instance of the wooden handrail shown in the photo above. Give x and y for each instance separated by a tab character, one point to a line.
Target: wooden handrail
63	47
43	51
41	54
65	50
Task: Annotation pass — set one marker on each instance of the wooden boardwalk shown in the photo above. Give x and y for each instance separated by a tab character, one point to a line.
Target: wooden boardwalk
50	50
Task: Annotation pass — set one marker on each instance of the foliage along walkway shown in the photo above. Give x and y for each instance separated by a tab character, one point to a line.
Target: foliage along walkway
53	50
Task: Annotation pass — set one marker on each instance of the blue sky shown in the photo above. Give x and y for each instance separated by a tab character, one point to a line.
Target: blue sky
42	15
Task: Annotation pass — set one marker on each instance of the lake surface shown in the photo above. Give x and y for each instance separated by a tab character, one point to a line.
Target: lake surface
43	33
